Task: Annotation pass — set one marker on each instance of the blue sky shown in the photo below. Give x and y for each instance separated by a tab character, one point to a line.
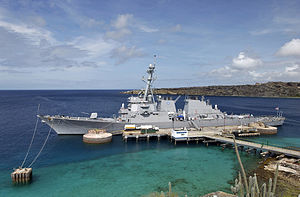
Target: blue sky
109	44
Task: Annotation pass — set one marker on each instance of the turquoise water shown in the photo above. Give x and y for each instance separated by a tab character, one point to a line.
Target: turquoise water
192	169
68	167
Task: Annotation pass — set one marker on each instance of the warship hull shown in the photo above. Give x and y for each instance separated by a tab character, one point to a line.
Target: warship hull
143	109
81	125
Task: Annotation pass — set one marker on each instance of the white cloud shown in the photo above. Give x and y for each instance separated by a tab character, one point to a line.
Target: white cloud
125	25
288	24
93	22
76	16
240	66
255	75
120	28
261	32
25	47
123	53
118	34
244	69
287	73
291	48
122	21
293	70
94	46
223	72
245	62
34	34
147	29
284	72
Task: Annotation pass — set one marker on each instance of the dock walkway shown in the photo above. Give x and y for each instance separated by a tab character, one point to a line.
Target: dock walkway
273	149
212	135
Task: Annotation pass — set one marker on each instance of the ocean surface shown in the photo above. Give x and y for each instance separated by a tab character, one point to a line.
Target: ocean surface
68	167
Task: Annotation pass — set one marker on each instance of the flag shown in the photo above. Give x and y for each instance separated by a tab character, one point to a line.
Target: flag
277	108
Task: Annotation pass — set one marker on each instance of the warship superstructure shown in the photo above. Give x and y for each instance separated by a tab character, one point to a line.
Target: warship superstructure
146	109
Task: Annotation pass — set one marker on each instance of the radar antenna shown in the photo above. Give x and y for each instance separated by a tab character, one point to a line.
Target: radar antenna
148	90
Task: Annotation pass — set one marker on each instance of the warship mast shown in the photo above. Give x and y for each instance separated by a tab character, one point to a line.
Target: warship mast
148	95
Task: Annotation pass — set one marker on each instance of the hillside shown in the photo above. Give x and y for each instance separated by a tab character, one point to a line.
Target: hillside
270	89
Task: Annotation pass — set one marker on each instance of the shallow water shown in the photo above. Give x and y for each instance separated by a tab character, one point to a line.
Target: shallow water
68	167
192	169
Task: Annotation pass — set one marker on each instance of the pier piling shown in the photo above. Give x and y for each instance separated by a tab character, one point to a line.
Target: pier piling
211	137
21	175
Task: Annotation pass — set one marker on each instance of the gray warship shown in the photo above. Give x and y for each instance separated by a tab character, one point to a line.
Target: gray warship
148	109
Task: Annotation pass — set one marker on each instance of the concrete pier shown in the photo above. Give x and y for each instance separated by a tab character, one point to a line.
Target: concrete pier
21	175
137	135
216	136
97	136
256	146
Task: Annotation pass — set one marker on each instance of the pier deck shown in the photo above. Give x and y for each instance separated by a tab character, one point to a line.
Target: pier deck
273	149
216	137
211	135
138	135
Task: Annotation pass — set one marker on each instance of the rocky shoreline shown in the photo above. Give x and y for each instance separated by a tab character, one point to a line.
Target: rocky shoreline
288	183
270	89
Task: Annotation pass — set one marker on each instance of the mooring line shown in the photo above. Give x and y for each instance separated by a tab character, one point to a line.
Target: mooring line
33	135
42	147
